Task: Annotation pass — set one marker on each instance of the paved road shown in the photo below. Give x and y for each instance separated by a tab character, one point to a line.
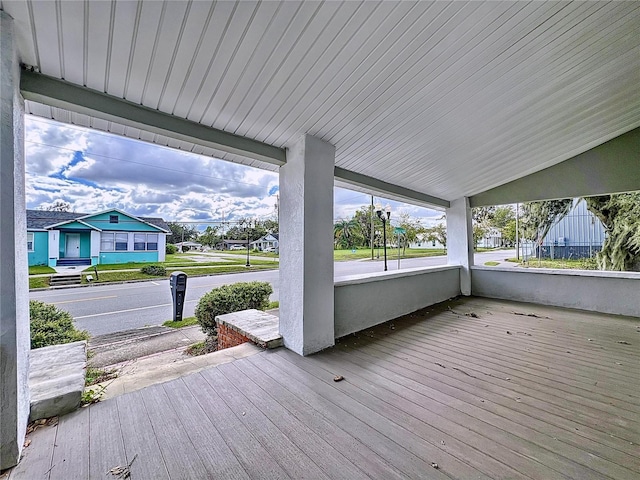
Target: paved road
102	309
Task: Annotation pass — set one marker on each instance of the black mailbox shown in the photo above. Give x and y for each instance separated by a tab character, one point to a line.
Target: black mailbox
178	285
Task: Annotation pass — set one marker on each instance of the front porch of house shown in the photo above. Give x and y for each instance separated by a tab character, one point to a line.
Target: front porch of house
470	388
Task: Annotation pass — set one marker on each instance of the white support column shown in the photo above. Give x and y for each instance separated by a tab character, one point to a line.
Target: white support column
306	246
14	288
95	247
162	247
460	241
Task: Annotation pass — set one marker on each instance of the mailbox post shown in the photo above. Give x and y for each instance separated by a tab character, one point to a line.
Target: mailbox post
178	285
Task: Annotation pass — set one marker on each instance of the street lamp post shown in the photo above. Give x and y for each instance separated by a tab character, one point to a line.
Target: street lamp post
384	218
247	225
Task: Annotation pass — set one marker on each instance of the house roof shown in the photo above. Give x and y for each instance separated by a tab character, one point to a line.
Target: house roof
42	219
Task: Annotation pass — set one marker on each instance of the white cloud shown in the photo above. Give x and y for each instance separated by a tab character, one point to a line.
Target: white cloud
94	171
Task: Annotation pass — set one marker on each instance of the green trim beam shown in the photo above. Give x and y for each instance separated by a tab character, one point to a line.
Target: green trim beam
370	183
61	94
613	167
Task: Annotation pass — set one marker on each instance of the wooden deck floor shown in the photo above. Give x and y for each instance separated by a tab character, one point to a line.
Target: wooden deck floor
478	389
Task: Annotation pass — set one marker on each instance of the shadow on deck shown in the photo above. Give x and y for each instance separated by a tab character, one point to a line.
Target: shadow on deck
480	390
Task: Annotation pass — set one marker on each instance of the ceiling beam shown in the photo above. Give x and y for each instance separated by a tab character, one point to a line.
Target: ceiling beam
384	188
61	94
612	167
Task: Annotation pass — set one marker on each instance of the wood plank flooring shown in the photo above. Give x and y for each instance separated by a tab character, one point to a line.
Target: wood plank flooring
468	389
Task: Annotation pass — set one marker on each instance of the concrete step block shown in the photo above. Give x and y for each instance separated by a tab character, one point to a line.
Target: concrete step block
56	379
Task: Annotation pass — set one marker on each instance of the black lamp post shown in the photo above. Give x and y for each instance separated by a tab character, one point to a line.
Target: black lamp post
385	219
247	225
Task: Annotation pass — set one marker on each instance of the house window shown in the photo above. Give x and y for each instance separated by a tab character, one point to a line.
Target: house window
145	241
106	242
113	219
30	241
122	240
152	241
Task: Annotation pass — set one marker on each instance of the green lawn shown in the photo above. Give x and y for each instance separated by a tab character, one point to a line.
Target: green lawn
121	276
186	322
344	255
40	270
38	282
491	264
573	264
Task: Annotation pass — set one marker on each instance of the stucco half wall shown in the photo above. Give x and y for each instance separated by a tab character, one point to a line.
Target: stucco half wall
605	292
364	301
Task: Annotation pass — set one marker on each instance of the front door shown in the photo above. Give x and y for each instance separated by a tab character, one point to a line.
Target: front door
72	249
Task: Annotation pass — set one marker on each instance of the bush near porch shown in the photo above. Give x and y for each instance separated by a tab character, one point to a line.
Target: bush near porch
52	326
231	298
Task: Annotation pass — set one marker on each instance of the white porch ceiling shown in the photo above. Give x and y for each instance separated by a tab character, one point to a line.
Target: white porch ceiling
446	99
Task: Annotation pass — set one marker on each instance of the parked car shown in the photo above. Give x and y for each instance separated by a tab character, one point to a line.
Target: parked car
269	250
237	247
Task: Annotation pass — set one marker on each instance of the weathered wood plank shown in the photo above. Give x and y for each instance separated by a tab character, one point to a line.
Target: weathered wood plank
106	446
292	459
393	453
328	459
71	453
379	420
353	449
203	434
178	452
36	458
255	459
139	438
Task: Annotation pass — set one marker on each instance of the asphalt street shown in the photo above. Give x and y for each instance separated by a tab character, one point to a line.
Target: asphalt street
109	308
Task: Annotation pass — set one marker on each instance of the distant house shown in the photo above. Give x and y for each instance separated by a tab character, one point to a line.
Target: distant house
112	236
491	239
230	244
270	240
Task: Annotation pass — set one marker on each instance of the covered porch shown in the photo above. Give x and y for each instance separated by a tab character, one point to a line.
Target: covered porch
469	388
447	105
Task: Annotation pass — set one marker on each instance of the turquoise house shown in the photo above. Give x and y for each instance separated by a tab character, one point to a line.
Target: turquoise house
113	236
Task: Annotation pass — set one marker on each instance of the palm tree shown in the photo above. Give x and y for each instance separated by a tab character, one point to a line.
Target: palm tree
343	233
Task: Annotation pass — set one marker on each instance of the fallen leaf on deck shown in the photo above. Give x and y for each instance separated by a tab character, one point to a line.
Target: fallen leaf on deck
622	342
338	378
434	465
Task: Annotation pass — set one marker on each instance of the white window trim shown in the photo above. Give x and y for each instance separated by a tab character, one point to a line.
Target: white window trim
32	241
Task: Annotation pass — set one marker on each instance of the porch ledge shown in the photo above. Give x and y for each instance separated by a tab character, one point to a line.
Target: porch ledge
257	326
559	271
382	276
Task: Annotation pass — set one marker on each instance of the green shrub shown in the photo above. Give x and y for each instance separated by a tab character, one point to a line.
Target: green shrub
231	298
52	326
170	249
154	270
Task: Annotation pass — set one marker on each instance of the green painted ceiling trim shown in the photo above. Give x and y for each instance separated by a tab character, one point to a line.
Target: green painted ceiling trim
59	93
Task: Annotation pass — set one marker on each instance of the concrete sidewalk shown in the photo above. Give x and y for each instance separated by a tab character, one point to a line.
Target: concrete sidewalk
147	356
128	345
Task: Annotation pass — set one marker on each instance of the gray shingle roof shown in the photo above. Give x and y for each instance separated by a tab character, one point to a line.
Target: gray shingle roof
40	219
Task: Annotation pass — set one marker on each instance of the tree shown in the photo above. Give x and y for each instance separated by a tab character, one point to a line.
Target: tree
210	236
181	232
58	206
436	234
413	229
620	215
539	217
343	233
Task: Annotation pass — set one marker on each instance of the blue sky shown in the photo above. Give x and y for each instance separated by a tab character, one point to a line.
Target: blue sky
94	171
